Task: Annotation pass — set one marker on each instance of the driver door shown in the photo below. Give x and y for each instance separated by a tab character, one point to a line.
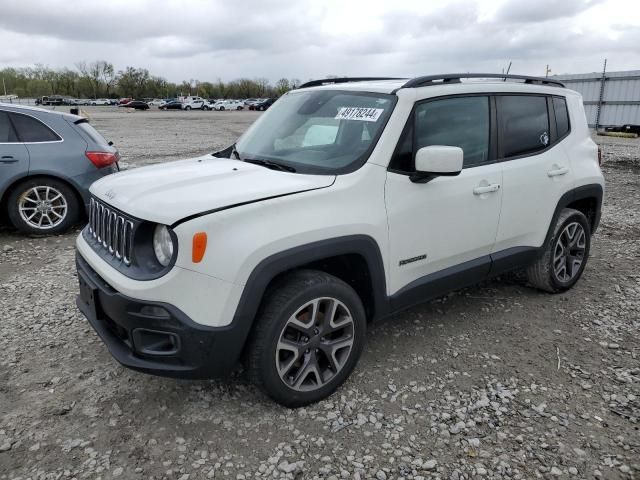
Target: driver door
441	232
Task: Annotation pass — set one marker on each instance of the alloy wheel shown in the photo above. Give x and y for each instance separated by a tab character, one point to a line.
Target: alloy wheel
315	344
569	252
42	207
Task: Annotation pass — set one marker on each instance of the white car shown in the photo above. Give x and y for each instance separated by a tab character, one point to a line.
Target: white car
194	103
342	204
100	101
156	102
228	105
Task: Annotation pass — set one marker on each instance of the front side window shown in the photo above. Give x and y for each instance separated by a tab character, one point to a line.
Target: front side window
31	130
455	122
322	131
7	134
525	124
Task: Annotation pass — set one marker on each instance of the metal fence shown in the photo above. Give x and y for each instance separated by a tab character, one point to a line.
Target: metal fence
615	94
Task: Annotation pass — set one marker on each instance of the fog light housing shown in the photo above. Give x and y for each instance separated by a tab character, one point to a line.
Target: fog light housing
155	342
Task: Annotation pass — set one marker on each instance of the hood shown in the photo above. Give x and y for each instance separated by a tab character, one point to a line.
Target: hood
168	192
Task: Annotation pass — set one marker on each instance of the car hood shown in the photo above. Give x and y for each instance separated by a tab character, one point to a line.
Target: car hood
169	192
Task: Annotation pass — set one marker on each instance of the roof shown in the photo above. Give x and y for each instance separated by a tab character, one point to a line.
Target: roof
37	110
455	80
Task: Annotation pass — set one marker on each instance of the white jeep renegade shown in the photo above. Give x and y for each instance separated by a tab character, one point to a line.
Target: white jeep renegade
348	200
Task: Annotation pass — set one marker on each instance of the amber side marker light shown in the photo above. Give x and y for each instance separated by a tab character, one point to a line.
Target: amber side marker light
199	246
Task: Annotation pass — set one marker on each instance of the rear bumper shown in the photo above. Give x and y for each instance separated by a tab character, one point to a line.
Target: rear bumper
155	337
84	181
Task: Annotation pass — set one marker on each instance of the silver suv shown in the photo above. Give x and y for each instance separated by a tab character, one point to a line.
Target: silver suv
48	160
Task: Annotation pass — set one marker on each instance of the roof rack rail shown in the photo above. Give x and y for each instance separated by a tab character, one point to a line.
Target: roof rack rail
455	78
330	81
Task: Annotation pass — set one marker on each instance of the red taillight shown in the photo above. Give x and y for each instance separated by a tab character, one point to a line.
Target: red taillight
102	159
599	156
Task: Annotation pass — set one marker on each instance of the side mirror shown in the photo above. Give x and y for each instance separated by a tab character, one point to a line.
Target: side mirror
436	161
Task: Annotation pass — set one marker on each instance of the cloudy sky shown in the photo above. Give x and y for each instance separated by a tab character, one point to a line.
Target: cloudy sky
207	39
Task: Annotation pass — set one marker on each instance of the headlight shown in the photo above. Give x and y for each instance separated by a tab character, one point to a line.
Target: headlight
162	244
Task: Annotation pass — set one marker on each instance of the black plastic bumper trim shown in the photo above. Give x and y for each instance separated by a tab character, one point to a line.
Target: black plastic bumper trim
201	351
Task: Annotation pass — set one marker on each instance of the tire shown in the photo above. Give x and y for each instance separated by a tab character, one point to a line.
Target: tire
23	196
239	108
557	270
187	107
290	299
221	109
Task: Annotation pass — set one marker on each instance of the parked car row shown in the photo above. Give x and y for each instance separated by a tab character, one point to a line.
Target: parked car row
186	103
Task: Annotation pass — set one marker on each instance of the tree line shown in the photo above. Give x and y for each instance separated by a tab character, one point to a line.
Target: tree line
99	79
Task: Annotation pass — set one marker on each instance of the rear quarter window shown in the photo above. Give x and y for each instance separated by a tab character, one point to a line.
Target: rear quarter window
562	116
32	130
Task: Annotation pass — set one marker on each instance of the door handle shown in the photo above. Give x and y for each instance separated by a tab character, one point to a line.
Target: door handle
558	171
494	187
8	159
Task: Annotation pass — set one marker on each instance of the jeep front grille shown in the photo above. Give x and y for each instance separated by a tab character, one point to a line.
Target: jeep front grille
111	230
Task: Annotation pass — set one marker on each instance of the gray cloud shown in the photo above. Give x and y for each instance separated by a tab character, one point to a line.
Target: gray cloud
540	10
304	39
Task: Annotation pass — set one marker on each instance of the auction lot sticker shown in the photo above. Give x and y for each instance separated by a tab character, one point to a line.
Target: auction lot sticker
359	113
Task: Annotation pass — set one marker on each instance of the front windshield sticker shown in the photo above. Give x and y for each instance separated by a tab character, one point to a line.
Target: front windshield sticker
359	113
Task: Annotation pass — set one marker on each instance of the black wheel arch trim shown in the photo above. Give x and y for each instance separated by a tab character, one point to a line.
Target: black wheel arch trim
287	260
583	192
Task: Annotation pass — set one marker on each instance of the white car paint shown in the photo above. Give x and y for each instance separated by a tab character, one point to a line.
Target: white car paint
228	105
190	182
256	212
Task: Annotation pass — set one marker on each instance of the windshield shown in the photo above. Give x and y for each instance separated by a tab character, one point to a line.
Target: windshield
322	131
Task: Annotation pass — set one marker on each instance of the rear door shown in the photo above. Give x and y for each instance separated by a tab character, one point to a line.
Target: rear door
14	156
536	170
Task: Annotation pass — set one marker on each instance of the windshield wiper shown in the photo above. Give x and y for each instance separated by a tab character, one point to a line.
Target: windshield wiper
270	164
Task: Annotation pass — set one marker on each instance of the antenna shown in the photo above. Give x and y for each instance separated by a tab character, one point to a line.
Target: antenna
507	73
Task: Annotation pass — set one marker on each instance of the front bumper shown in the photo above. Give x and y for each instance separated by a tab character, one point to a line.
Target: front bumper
155	337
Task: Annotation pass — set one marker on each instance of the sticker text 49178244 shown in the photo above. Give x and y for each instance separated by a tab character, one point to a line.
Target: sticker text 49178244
359	113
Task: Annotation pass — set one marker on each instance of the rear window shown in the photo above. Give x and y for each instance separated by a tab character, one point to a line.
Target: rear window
562	116
525	124
7	134
93	134
31	130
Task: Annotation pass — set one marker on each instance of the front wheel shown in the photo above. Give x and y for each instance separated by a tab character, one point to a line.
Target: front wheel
308	337
565	256
43	206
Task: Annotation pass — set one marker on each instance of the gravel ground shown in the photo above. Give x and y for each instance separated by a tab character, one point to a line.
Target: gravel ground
495	381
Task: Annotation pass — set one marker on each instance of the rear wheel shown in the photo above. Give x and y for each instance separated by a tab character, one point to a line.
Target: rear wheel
565	256
188	107
221	109
308	337
43	206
